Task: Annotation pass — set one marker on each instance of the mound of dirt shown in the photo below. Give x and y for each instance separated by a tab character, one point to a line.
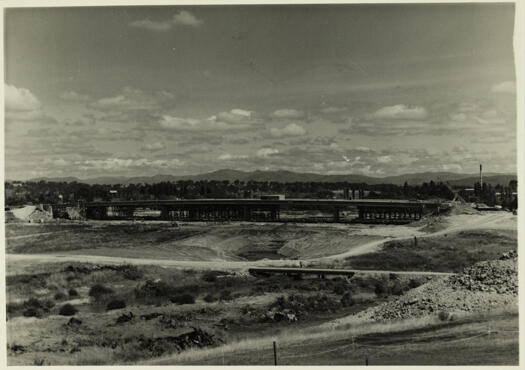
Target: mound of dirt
485	285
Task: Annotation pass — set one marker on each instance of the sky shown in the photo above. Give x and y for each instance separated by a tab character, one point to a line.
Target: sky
371	89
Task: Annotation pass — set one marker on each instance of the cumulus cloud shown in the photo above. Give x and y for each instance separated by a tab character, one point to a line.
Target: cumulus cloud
126	163
266	152
384	159
505	87
287	114
235	119
332	110
399	112
131	99
154	146
71	95
20	99
236	116
182	18
290	130
231	157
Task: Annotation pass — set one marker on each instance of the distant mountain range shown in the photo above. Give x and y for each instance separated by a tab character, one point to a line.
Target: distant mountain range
289	176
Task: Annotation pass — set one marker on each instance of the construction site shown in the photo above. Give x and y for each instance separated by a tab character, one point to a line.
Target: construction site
205	291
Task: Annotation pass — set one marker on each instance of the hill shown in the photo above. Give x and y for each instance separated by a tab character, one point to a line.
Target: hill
289	176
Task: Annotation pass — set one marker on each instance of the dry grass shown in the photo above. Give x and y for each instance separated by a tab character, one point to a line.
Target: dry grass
332	331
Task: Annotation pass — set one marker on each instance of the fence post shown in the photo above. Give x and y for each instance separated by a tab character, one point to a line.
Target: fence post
274	353
366	360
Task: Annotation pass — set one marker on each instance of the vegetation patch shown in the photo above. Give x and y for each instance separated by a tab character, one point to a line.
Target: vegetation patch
450	253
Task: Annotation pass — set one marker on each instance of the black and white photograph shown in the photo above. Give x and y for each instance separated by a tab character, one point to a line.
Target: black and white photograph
268	184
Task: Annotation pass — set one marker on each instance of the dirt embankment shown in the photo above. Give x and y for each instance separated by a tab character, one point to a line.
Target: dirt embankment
481	287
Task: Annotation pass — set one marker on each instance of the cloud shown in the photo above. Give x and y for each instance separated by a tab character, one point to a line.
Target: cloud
287	113
154	146
399	112
121	163
182	18
290	130
236	116
452	167
131	99
506	87
71	95
266	152
22	106
235	119
332	110
20	99
384	159
231	157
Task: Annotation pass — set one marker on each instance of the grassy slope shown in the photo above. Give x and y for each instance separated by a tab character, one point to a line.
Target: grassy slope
450	253
414	342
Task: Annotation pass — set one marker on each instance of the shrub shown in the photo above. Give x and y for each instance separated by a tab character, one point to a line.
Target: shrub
397	289
67	310
115	304
34	307
153	289
209	298
183	299
445	316
347	300
13	307
225	295
131	272
380	288
59	296
210	276
413	283
32	312
73	293
340	289
97	291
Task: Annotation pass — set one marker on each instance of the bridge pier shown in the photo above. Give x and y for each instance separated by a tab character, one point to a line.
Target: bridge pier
391	214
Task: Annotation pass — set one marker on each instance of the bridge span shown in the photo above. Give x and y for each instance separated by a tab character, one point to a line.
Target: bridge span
367	210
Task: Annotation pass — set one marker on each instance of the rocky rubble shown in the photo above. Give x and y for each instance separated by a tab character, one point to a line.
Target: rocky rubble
498	276
483	286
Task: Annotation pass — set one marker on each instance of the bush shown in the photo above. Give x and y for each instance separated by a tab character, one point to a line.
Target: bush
397	289
225	295
381	288
97	291
209	298
67	310
73	293
59	296
340	289
445	316
347	300
115	304
34	307
131	272
183	299
153	289
210	276
32	312
413	283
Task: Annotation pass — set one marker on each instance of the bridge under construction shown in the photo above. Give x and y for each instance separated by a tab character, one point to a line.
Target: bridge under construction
366	210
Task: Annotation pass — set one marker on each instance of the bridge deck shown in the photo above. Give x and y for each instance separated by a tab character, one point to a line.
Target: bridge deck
310	202
321	271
